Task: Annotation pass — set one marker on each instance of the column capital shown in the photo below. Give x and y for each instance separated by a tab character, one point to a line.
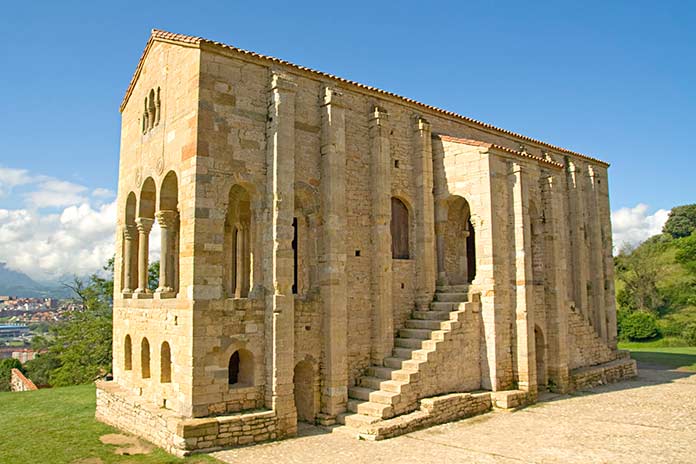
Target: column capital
144	224
282	82
167	218
130	231
378	116
331	96
422	124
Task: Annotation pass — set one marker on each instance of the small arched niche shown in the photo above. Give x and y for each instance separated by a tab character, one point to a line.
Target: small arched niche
540	349
305	391
127	353
399	227
145	358
240	369
165	363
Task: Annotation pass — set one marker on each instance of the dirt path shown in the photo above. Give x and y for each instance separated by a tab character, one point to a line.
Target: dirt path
649	419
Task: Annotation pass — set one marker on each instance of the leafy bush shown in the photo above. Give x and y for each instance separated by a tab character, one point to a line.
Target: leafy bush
639	325
689	334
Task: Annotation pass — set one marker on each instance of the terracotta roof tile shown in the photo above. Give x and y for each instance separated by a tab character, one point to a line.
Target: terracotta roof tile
158	34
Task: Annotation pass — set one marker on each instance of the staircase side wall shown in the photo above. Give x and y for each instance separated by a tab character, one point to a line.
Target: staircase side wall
586	348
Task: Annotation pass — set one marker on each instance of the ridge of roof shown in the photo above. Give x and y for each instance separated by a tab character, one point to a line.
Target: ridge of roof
479	143
158	34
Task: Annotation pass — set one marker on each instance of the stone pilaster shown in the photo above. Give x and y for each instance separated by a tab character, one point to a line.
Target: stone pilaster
167	221
380	189
608	257
596	257
144	226
280	313
129	238
556	263
332	259
579	259
524	295
425	214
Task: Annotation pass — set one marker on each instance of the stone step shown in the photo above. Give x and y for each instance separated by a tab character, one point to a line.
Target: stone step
395	362
431	315
448	306
380	372
368	408
452	288
457	297
423	334
360	393
400	352
355	421
384	397
413	343
422	324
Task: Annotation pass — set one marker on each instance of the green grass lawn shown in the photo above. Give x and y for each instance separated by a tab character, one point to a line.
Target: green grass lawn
655	352
57	426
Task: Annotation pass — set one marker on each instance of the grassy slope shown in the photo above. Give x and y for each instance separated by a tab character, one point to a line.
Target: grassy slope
683	358
58	426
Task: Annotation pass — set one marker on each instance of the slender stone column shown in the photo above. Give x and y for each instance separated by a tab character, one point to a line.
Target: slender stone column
526	360
425	214
556	263
332	259
578	270
380	186
144	226
280	312
129	233
596	257
238	261
167	221
609	290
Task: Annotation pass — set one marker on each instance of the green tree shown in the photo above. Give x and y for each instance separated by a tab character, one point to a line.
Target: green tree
153	273
6	366
681	221
639	270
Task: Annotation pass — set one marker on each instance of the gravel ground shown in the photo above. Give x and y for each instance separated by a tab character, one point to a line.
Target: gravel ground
648	419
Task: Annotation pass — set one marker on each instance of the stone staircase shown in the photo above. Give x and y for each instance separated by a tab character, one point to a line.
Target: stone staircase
392	389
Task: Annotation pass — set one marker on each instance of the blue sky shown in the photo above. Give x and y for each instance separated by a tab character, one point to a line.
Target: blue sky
614	79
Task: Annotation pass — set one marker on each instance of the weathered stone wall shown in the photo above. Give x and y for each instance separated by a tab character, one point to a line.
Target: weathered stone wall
18	382
256	145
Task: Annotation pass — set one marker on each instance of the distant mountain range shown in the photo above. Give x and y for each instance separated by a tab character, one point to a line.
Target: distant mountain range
18	284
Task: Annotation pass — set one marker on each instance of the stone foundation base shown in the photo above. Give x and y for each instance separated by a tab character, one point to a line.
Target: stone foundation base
587	377
179	435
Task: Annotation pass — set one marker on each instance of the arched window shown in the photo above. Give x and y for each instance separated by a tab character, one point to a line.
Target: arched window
165	363
238	250
127	354
130	247
145	358
240	370
168	220
151	108
399	229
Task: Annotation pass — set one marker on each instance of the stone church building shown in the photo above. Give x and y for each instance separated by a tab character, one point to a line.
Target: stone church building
334	253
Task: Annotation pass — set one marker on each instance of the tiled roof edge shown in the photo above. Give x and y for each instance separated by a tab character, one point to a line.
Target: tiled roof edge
158	34
479	143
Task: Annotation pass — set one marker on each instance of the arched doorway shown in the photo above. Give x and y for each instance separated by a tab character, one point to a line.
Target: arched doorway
305	392
456	243
540	349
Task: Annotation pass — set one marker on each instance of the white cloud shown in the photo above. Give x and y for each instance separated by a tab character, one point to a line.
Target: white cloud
631	226
10	178
55	193
79	240
103	193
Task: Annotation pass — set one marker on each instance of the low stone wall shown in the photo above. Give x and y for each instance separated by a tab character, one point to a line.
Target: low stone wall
179	435
433	411
587	377
18	382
